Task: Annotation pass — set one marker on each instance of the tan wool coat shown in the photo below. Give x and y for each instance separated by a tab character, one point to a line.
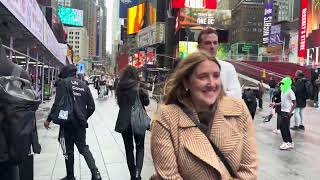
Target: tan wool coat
181	151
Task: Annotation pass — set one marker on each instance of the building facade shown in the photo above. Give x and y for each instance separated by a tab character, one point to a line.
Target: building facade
247	23
90	19
78	39
66	3
223	4
102	19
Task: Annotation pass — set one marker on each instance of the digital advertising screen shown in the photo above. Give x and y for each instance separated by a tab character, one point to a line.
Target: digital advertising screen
309	33
135	18
198	18
186	48
70	16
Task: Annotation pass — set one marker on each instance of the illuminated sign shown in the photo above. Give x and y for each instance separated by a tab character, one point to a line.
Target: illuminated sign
70	16
135	18
209	4
267	20
220	19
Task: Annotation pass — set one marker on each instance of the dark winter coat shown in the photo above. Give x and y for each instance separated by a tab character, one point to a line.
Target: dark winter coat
249	98
126	95
300	91
277	99
83	97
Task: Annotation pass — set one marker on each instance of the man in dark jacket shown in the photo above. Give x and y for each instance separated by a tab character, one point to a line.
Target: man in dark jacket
249	98
300	91
75	132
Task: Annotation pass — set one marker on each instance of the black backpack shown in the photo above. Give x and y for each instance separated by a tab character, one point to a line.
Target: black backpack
249	96
63	112
18	106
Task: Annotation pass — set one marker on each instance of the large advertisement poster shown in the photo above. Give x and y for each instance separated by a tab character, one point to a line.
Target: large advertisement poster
125	5
309	33
267	21
135	18
275	37
303	28
197	18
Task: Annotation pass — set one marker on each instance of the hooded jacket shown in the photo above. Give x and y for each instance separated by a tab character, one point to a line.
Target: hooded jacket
300	91
83	98
126	94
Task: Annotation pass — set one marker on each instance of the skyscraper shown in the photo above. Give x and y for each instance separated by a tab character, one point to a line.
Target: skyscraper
103	30
90	19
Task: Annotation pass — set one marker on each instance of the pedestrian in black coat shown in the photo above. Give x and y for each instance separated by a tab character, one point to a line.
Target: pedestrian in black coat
126	94
74	133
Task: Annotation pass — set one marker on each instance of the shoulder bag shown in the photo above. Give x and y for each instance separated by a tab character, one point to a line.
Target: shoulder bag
140	121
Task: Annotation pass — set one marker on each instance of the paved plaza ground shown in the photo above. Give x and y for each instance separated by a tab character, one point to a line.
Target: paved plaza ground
301	163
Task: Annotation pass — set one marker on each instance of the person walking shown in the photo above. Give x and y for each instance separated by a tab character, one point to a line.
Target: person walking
261	90
75	131
288	104
300	90
277	99
126	94
272	85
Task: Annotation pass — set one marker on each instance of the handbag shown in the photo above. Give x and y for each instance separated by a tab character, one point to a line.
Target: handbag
63	112
215	148
140	121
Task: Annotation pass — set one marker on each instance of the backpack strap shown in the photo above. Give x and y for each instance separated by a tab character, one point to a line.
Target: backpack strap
16	72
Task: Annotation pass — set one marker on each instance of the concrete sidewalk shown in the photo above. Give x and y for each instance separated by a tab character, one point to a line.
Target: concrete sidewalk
107	147
105	144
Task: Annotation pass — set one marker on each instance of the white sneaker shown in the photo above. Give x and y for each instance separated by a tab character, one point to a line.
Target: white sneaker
291	145
276	131
285	146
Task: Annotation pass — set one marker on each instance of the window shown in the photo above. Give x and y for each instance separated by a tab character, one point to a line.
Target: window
77	33
77	46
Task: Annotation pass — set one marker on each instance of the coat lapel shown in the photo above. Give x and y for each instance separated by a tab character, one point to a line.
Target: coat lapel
198	144
223	133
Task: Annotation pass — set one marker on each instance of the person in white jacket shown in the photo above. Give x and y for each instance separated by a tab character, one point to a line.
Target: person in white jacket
208	41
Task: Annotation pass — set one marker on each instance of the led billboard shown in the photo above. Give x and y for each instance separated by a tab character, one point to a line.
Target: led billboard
197	18
70	16
135	18
309	33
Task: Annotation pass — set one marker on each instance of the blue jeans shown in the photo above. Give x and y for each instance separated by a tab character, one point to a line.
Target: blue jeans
298	116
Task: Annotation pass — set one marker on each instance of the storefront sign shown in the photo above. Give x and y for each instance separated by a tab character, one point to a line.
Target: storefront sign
151	35
220	19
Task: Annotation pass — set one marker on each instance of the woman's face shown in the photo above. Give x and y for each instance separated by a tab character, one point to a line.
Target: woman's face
204	85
